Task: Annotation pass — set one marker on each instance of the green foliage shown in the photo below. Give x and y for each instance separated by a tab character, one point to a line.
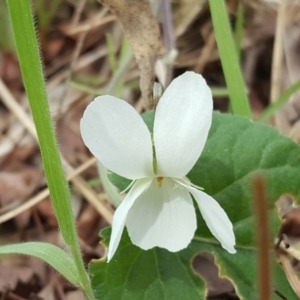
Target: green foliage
144	275
46	11
273	108
6	35
51	254
238	30
32	73
236	150
229	59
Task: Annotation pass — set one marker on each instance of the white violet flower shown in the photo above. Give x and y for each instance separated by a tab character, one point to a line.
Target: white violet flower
158	210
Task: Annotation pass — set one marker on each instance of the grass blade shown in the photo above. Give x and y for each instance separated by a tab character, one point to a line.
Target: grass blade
228	55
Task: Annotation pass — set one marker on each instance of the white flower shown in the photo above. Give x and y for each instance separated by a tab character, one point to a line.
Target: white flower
158	210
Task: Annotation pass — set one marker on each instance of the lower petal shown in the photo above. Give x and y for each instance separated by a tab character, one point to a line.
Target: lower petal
121	213
163	217
216	219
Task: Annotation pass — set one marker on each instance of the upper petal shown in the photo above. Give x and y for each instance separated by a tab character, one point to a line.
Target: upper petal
116	134
182	121
121	213
163	217
216	219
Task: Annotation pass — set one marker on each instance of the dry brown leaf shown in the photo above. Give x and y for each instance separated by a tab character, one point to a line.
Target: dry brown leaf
142	32
11	275
45	209
17	186
88	225
289	231
75	295
48	292
10	71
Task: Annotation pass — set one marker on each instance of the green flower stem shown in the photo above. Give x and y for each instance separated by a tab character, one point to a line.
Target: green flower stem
228	55
31	68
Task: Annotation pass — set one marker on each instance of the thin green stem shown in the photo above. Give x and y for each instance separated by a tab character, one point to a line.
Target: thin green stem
32	72
229	60
219	92
278	104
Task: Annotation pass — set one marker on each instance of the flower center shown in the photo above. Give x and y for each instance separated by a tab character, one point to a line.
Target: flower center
159	181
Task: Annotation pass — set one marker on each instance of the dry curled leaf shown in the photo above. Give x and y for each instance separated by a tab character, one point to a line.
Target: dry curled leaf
289	212
142	32
290	229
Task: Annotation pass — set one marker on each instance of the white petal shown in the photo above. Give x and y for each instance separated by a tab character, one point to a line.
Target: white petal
216	219
116	134
121	213
163	217
182	121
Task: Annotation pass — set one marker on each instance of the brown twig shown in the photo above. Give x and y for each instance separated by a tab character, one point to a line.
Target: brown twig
278	56
263	238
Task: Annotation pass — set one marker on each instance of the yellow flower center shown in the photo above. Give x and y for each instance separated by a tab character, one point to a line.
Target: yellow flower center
159	181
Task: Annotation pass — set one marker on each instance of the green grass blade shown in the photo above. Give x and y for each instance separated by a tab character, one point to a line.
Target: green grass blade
238	30
52	255
278	104
228	55
32	73
7	43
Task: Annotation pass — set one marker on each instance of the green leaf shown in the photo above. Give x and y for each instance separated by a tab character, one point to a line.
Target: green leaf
145	275
52	255
134	274
241	269
236	150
